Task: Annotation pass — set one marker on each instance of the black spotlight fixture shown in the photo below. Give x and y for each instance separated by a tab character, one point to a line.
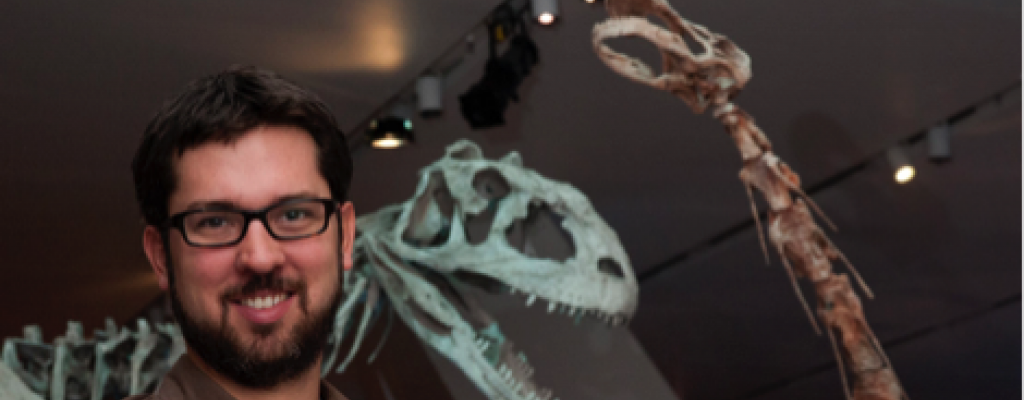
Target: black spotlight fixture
390	132
484	104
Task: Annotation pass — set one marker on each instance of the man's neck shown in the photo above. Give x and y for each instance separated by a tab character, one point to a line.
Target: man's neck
304	387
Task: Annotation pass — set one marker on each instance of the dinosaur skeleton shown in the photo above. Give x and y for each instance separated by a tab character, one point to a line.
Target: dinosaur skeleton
711	77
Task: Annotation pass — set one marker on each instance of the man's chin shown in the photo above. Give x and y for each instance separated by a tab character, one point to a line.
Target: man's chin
264	332
257	355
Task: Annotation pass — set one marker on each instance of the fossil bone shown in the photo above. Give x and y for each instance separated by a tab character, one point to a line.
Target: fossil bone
113	364
499	226
711	77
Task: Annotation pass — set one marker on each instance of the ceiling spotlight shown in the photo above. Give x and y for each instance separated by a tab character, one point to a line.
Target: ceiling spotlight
545	11
938	143
428	95
903	170
390	132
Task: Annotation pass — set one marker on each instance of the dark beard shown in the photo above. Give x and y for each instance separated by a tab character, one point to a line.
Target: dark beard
224	351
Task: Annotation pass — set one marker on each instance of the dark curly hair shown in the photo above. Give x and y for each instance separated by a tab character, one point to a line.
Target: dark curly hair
222	107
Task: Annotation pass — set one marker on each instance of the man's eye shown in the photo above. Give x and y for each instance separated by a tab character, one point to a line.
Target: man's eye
212	222
296	214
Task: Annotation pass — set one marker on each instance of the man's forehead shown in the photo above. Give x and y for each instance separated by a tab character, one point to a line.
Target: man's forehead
264	165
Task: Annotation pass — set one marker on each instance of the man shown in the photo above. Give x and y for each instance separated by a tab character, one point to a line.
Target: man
242	181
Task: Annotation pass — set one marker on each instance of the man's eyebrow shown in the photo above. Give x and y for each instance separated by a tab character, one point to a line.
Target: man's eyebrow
230	205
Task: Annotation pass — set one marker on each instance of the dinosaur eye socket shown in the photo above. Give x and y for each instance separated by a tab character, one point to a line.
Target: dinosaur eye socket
490	185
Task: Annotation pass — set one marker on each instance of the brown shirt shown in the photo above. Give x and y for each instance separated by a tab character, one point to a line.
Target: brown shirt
185	381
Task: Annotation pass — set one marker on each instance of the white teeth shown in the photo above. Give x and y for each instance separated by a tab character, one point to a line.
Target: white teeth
551	307
531	299
264	302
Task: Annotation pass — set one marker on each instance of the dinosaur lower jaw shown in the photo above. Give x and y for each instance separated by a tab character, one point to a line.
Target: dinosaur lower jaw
515	375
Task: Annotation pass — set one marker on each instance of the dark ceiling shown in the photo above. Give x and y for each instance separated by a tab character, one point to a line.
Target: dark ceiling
834	84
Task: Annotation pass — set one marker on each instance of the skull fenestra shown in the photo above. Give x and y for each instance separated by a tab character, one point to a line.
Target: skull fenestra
501	227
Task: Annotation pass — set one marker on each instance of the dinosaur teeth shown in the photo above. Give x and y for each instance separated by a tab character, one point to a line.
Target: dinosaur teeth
551	307
531	299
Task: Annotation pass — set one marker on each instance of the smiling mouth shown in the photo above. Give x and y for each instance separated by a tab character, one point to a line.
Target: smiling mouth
263	299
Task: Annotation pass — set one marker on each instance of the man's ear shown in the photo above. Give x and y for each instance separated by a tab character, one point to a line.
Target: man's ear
153	243
348	233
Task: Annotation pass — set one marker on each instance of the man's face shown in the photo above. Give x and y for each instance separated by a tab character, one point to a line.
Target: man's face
220	293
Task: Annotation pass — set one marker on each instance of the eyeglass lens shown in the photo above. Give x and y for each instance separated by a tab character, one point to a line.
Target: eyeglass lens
288	220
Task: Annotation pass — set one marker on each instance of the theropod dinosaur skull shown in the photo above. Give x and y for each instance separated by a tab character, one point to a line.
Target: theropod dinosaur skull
500	226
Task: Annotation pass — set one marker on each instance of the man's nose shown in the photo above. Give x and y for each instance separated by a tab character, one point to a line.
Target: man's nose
258	250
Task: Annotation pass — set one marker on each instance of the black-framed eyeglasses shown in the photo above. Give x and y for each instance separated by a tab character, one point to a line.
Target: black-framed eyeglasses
287	220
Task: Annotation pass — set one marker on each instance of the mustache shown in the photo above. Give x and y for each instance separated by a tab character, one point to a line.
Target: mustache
258	282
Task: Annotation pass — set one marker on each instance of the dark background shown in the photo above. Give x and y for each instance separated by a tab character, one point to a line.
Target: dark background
834	84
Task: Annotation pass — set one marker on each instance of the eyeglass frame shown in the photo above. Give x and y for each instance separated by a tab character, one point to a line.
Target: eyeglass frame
178	221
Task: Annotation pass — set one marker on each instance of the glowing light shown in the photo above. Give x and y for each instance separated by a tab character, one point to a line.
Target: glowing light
545	11
590	1
359	36
904	174
903	170
388	142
